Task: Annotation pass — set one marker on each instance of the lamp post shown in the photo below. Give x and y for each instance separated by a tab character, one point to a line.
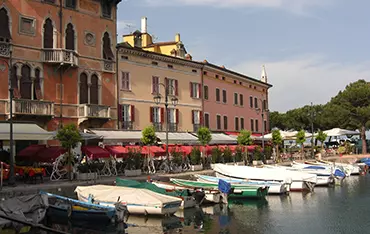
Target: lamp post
11	180
312	137
262	110
174	100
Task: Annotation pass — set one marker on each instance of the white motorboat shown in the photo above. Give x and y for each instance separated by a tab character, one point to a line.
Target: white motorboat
322	170
138	201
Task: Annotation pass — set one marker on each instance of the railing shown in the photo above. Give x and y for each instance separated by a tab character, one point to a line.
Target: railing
157	127
196	127
32	107
108	65
5	48
60	56
94	111
172	127
127	125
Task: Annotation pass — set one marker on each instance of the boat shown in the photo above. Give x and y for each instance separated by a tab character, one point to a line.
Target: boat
274	187
237	190
188	200
211	195
322	170
351	168
138	201
68	208
299	181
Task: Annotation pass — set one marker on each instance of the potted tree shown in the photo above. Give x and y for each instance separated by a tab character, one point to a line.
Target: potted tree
321	136
244	139
87	171
257	156
149	138
238	156
227	156
277	140
204	137
69	137
133	164
300	139
195	159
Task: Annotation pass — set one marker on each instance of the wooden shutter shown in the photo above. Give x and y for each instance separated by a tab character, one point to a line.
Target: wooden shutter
191	89
120	113
192	116
200	90
151	113
48	34
162	115
132	113
177	116
167	83
201	117
176	88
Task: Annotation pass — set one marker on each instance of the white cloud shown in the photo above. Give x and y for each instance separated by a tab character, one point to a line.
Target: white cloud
305	79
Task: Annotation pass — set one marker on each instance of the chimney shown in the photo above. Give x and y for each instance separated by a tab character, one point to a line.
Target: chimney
177	37
144	25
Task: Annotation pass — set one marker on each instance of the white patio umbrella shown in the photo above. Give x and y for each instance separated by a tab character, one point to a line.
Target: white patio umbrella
287	135
340	132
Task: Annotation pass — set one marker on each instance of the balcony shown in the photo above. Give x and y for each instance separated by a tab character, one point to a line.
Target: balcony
94	111
5	48
60	56
157	127
32	107
196	127
127	125
172	127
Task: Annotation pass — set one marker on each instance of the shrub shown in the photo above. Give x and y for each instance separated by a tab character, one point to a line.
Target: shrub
195	156
257	154
228	155
239	154
176	157
216	155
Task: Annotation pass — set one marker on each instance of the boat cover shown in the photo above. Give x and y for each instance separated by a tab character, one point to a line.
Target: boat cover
266	174
31	208
129	196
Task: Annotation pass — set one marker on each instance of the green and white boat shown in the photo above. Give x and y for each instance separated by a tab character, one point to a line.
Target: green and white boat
238	190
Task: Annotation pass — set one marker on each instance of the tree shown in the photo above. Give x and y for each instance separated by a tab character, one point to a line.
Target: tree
300	139
148	136
277	140
321	136
204	137
69	137
244	138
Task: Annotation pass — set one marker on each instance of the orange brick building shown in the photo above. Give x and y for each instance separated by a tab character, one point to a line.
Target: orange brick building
62	57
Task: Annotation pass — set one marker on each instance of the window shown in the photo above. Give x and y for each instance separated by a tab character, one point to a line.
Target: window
224	96
195	90
37	95
234	81
205	73
124	57
235	99
223	78
241	101
125	81
156	115
71	4
126	116
155	85
218	121
265	126
256	125
250	86
26	25
241	123
70	37
217	95
171	116
48	34
94	90
255	103
206	92
170	66
172	85
4	26
236	124
107	49
240	83
225	122
154	63
251	102
195	71
106	9
195	115
206	120
252	125
216	76
26	82
59	91
255	87
84	93
264	105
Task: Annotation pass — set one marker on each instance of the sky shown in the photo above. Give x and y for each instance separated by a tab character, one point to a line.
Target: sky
311	48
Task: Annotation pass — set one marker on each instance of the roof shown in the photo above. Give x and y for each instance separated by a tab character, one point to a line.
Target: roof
162	43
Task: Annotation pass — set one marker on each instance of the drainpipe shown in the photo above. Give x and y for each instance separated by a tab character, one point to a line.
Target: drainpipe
60	68
202	97
117	89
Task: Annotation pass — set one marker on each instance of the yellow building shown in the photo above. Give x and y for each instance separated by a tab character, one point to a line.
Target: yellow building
143	75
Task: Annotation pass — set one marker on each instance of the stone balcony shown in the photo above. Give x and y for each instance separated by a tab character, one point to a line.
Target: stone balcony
94	111
60	56
31	107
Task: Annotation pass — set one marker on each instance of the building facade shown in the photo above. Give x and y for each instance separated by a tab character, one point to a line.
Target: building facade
62	62
145	75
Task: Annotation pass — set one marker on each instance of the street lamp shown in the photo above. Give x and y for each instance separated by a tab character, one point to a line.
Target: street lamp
313	135
262	110
11	180
174	101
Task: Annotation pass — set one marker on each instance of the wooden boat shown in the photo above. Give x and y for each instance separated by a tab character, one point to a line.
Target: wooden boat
298	181
211	195
138	201
76	210
238	190
188	200
274	187
350	169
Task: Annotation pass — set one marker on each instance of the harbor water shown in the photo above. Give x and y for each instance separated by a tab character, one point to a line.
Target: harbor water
340	209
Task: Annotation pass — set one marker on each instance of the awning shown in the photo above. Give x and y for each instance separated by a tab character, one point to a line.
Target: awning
49	154
137	149
118	136
30	152
220	138
155	151
24	131
178	138
340	132
117	151
95	152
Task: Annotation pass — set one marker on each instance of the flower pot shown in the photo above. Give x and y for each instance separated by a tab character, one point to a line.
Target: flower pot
130	173
87	176
196	167
270	161
257	162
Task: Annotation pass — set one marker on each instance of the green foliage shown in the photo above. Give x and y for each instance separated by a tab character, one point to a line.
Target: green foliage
148	136
134	160
301	137
268	151
176	157
239	154
257	153
204	135
321	136
227	155
277	139
244	138
216	155
195	156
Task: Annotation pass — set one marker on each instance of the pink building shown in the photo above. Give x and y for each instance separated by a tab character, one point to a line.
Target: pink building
233	101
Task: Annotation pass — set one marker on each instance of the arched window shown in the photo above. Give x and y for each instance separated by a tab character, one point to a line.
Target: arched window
84	94
70	37
4	26
94	90
48	34
26	82
107	50
37	95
